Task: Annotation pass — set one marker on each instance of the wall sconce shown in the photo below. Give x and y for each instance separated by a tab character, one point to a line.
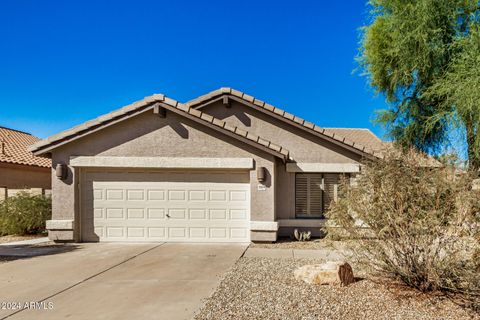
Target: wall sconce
61	171
261	174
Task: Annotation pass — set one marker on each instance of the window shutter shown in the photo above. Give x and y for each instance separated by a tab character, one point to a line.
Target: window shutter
315	195
331	184
301	194
308	194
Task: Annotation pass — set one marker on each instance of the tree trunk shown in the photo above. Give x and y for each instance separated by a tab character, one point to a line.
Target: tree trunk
472	146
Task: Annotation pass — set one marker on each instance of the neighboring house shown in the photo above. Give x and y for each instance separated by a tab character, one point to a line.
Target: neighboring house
225	167
19	168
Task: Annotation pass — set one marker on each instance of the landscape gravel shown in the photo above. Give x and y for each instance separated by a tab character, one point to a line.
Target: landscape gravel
286	243
264	288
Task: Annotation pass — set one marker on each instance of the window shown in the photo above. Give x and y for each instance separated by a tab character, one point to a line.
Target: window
314	192
308	195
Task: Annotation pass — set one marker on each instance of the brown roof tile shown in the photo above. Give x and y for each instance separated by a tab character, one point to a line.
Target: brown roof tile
360	136
182	108
14	148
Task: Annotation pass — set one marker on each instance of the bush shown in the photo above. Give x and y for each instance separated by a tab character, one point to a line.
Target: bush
425	225
24	214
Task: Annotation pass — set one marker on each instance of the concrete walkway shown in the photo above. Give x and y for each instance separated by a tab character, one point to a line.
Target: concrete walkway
326	254
115	281
26	242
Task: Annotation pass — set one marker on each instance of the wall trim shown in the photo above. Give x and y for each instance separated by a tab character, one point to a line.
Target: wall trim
263	225
323	167
310	223
59	224
162	162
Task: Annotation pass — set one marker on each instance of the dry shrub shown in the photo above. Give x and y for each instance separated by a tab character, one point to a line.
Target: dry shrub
424	225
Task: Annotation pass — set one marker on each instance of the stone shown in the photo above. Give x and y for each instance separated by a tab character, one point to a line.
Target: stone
476	184
329	273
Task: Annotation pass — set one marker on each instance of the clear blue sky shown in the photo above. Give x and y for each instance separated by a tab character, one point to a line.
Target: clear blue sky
65	62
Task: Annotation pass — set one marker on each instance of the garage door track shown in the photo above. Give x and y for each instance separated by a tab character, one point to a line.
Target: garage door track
115	281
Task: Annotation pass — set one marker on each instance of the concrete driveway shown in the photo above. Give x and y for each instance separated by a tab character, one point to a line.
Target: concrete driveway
115	281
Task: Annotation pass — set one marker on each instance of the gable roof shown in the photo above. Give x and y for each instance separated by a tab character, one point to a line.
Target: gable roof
150	103
334	136
14	148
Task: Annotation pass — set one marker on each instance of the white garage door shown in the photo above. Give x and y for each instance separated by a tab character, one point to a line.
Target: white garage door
176	211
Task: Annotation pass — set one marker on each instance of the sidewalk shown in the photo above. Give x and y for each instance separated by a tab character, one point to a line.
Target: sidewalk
326	254
26	242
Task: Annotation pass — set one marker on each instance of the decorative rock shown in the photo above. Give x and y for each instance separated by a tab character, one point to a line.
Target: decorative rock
476	184
331	273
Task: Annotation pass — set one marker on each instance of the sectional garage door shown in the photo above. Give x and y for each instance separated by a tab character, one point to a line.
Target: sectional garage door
169	206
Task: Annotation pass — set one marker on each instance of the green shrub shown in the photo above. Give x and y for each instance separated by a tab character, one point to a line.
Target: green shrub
423	225
24	214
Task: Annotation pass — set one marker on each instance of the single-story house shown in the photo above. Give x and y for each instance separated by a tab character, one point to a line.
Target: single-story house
19	168
224	167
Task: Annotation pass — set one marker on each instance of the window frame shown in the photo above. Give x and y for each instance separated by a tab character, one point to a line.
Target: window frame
323	197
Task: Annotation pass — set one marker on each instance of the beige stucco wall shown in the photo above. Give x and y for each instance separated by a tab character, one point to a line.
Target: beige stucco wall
303	147
147	135
19	176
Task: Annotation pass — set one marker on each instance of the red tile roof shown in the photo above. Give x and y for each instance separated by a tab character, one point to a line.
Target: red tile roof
14	148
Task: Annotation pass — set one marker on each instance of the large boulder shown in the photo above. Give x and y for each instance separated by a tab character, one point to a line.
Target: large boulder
331	273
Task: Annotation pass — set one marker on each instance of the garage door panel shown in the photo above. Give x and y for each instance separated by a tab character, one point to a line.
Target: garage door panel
177	213
197	195
155	213
114	213
183	211
198	214
135	213
115	232
156	195
177	195
157	233
135	194
114	194
133	232
198	233
177	233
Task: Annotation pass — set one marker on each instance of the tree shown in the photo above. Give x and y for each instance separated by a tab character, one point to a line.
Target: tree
410	52
460	87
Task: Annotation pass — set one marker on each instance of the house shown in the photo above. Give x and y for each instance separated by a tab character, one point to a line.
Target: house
224	167
19	168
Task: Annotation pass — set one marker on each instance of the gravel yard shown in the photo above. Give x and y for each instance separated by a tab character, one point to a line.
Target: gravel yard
286	243
263	288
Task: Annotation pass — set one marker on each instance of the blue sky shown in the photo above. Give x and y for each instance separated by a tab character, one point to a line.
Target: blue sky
65	62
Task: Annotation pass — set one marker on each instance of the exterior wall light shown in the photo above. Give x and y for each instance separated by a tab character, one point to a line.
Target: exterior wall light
61	171
261	174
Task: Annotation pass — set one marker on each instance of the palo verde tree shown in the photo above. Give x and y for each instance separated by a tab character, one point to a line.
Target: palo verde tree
423	56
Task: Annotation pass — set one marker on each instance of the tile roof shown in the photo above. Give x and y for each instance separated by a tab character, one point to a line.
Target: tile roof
14	148
147	104
349	141
361	135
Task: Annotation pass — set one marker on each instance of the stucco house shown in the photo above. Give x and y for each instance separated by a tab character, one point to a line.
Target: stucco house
19	168
224	167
